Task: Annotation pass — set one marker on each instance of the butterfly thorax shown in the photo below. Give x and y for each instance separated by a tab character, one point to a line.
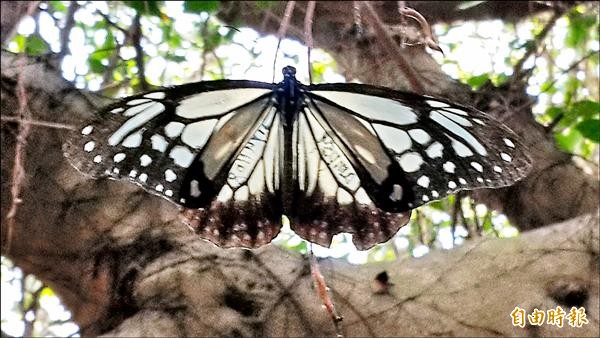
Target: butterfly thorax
289	95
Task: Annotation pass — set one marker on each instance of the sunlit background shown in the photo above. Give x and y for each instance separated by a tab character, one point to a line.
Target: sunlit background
184	43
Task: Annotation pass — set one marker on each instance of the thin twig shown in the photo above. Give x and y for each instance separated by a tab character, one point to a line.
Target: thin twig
14	119
66	30
285	23
109	21
455	211
308	23
570	68
323	292
393	50
518	69
136	37
219	63
18	171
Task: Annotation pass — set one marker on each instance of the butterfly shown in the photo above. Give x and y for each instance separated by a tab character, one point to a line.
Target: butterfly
236	155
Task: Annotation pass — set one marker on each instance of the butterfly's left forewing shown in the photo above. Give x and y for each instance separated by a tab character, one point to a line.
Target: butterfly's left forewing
206	145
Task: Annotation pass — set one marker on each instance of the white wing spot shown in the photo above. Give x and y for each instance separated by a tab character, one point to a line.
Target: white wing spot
137	101
411	162
174	129
497	169
159	143
435	194
449	167
374	107
97	159
508	142
182	156
137	109
506	157
437	104
425	198
116	170
87	130
477	166
169	192
343	197
216	102
456	111
89	146
133	173
396	140
434	150
194	188
119	157
170	176
451	185
155	95
117	110
479	179
145	160
133	141
419	135
461	149
462	181
478	121
396	194
423	181
159	187
143	177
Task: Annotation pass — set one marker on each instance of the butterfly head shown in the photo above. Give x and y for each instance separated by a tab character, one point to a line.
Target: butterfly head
289	71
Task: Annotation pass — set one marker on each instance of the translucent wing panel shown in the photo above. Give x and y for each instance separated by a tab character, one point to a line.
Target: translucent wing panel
248	207
439	147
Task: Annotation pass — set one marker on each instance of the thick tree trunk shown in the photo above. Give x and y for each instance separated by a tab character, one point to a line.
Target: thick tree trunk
124	265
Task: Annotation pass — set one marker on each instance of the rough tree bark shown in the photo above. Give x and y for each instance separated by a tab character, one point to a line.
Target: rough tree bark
124	265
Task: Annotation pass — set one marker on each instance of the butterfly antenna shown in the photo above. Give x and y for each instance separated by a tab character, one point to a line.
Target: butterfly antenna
308	23
285	23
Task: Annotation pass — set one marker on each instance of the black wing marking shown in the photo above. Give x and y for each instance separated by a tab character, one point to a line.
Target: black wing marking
439	146
330	195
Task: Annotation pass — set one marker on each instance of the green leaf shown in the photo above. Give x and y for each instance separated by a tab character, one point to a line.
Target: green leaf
477	81
58	6
579	29
96	65
586	109
35	45
590	129
200	6
568	140
145	7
